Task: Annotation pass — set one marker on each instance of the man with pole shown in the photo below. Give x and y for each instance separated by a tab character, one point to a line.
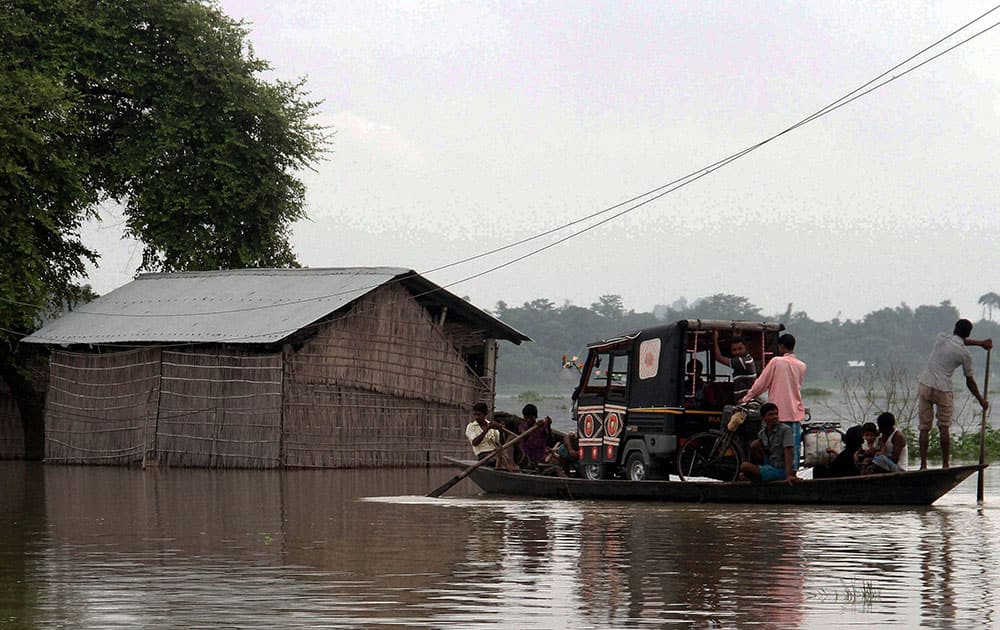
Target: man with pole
479	417
485	437
934	385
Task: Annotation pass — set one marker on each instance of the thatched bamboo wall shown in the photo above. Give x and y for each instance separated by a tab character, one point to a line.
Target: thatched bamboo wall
101	408
326	427
192	408
219	408
11	429
379	386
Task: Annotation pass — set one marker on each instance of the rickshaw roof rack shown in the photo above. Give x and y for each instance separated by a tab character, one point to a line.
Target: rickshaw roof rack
688	325
730	324
614	341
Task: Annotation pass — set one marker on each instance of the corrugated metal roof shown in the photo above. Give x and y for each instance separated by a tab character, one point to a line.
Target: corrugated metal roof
233	306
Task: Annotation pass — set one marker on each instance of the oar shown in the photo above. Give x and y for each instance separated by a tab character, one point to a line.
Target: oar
982	431
465	473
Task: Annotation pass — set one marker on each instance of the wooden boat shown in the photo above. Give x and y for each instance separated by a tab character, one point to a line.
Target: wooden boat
917	487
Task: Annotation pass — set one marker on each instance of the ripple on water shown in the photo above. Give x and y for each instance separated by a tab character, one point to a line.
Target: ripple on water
312	549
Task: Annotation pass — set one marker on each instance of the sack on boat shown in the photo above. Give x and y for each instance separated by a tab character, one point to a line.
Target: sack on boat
816	441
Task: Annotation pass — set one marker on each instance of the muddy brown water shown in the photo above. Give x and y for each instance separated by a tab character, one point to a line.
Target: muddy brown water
95	547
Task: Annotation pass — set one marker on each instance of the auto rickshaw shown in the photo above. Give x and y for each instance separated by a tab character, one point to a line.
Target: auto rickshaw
644	395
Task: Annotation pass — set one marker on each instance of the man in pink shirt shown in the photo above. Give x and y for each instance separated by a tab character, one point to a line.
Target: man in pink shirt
782	378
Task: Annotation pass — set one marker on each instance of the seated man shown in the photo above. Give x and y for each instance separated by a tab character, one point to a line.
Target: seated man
892	454
740	361
535	446
772	451
567	454
485	438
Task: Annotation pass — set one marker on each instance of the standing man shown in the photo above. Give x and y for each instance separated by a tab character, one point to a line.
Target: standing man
782	379
484	435
934	385
740	361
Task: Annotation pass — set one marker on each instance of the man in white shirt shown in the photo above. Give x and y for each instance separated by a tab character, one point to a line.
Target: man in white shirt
934	385
485	437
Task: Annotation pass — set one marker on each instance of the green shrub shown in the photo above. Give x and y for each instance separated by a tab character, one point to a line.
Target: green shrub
815	392
530	396
964	446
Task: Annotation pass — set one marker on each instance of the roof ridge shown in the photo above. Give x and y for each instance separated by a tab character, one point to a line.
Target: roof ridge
276	271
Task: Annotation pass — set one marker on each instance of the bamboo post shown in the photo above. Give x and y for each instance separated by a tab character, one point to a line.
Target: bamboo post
980	486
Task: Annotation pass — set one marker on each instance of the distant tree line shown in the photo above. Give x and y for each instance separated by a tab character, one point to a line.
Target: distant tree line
900	334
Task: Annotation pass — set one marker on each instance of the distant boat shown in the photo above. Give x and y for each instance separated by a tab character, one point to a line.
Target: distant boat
917	487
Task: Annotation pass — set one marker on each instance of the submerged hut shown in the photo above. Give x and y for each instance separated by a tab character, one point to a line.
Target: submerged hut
263	368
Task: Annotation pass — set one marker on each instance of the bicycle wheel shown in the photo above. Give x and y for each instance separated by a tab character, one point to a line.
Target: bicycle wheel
710	455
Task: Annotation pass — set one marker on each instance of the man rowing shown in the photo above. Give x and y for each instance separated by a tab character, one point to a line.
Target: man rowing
485	437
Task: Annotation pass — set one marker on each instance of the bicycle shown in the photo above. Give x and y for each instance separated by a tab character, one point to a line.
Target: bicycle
715	454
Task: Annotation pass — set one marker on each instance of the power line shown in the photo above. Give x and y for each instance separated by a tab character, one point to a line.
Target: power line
738	154
729	160
646	197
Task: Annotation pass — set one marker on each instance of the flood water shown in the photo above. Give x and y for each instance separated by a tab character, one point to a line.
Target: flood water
117	547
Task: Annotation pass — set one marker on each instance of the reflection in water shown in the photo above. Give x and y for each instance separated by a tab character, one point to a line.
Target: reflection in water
113	547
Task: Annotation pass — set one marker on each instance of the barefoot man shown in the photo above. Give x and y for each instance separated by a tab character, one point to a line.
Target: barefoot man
934	385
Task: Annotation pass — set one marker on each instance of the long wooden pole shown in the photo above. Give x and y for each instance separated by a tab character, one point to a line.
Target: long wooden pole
980	484
465	473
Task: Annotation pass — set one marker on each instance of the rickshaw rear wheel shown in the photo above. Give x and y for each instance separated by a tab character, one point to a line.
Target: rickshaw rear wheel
594	472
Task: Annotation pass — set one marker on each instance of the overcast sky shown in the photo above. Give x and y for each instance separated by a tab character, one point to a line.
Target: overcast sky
463	126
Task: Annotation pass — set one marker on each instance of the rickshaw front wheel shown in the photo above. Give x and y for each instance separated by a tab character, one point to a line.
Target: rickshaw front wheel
636	468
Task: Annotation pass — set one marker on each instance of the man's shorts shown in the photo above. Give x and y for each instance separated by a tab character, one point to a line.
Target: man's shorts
771	473
927	397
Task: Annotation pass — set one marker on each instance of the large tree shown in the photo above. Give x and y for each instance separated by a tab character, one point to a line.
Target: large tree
158	105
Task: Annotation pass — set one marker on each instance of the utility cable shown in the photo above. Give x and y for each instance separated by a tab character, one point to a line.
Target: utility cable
722	163
653	194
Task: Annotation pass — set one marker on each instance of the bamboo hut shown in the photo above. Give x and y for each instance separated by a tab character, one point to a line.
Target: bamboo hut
264	368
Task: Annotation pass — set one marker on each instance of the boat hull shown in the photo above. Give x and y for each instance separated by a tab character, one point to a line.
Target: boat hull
908	488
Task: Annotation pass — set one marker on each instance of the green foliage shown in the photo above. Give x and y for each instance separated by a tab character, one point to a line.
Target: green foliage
609	306
894	342
989	301
815	392
558	331
530	396
964	444
726	306
158	105
45	190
